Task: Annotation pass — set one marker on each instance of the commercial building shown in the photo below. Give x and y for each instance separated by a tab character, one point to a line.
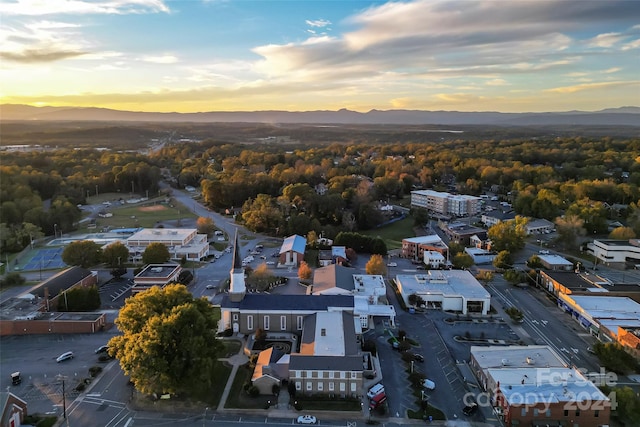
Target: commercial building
602	315
182	243
413	248
451	290
533	386
616	253
156	275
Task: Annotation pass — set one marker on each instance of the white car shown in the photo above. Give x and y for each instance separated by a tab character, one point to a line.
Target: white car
307	419
64	356
392	264
428	384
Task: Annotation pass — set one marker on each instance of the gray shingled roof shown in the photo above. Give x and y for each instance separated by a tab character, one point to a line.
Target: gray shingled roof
332	276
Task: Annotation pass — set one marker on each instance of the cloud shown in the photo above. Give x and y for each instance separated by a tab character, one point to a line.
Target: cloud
163	59
497	82
427	38
457	98
41	41
612	70
605	40
590	86
635	44
80	7
29	56
318	23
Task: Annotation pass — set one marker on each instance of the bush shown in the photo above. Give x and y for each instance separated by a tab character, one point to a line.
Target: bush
94	371
253	391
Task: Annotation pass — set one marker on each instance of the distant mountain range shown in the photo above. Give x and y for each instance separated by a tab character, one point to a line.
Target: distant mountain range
623	116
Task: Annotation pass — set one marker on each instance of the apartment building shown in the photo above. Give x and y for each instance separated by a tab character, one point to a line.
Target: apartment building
443	203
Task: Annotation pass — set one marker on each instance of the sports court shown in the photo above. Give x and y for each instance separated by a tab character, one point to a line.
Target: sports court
45	259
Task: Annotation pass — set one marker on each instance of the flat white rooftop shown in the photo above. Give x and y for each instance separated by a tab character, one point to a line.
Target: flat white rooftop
555	260
162	234
548	385
530	356
607	304
433	238
443	282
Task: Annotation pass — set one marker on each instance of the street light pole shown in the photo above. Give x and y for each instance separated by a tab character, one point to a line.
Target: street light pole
205	416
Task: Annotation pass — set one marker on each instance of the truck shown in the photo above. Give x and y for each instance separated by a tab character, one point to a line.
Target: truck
377	401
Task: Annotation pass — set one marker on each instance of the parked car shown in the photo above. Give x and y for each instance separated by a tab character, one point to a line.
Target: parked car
307	419
16	379
418	357
428	384
102	349
470	409
64	356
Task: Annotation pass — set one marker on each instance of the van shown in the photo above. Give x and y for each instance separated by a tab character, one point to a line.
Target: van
375	390
65	356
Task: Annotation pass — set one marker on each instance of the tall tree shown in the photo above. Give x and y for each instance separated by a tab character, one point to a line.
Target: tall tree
508	235
205	225
376	265
168	342
84	253
156	253
115	255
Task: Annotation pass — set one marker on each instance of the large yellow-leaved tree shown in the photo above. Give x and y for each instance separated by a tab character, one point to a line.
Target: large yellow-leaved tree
168	342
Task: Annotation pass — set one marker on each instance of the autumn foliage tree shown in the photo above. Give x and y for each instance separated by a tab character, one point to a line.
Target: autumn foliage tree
205	225
168	342
622	233
376	265
304	271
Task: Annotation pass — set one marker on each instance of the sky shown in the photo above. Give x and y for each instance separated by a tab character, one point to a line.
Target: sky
299	55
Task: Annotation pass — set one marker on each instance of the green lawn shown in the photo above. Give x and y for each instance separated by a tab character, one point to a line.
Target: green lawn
393	234
128	216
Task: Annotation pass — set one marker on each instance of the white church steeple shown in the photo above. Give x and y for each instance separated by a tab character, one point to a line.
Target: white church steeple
237	288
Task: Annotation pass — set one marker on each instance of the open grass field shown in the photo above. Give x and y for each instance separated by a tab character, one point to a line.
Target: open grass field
147	214
393	234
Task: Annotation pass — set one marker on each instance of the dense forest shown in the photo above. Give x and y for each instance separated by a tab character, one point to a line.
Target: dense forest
292	179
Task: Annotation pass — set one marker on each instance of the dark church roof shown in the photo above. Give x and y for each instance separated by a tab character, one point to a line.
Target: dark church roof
288	302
